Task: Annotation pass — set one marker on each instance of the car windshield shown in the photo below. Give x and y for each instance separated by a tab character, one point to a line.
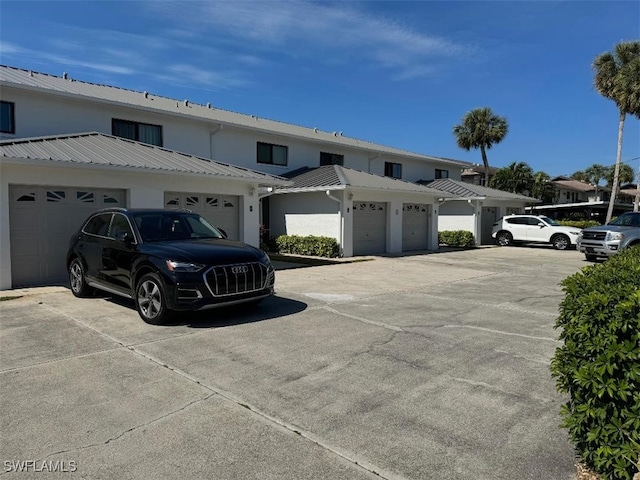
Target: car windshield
550	221
627	220
167	226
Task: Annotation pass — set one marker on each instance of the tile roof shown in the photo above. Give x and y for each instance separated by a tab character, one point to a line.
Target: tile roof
572	184
107	151
336	177
468	190
26	79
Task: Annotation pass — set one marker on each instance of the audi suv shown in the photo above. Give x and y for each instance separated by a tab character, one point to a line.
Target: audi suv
166	261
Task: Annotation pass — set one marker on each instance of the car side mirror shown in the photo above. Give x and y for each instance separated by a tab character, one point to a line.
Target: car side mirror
541	225
124	237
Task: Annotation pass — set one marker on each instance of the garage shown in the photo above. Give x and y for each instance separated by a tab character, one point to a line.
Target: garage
369	228
489	216
415	221
222	211
42	219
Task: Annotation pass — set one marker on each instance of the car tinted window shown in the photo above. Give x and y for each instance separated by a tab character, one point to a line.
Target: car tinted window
627	220
98	224
514	221
119	226
159	226
533	220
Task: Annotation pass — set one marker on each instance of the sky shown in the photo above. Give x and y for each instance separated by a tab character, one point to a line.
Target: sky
397	73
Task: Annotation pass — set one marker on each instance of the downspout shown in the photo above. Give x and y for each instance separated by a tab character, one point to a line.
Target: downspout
340	236
372	159
213	132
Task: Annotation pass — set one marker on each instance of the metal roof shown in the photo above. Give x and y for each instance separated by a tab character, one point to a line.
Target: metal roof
468	190
336	177
27	79
107	151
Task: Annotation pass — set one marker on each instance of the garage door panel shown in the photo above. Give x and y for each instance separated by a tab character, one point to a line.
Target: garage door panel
222	211
42	220
369	228
415	221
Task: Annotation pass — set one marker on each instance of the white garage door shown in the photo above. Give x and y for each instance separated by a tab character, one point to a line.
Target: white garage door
42	220
222	211
415	219
489	216
369	228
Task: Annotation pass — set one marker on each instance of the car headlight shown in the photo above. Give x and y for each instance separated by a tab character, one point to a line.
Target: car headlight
578	234
174	266
612	236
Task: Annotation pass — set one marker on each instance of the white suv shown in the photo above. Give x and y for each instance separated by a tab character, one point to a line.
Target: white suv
534	229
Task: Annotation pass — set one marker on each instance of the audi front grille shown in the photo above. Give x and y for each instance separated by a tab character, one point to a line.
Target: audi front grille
236	279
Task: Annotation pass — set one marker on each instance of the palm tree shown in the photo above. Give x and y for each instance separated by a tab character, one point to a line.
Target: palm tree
617	77
543	189
481	128
514	178
581	176
595	173
625	174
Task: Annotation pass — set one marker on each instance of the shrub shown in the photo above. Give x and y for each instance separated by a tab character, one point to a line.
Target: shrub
579	223
456	238
599	364
308	245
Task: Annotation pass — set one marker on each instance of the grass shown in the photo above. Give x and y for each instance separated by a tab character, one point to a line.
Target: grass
5	299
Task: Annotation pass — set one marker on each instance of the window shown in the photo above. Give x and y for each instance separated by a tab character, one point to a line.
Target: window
393	170
140	132
331	159
272	154
7	119
120	226
441	173
98	225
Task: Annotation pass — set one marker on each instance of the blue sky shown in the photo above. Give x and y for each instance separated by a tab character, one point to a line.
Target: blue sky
397	73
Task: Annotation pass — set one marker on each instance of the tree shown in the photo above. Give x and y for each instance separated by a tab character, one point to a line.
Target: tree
594	174
581	176
543	189
617	77
517	177
481	128
625	175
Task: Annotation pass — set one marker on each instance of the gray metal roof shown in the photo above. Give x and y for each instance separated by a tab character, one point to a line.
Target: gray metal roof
336	177
468	190
26	79
108	151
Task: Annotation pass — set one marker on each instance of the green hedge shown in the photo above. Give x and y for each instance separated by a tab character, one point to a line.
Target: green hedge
579	223
456	238
308	245
599	364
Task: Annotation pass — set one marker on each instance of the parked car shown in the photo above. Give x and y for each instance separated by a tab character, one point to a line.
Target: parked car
166	261
513	229
607	240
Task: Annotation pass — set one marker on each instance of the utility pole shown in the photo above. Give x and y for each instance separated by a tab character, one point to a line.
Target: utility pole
636	203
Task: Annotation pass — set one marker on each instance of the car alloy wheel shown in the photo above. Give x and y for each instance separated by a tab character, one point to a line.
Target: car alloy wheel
505	239
151	300
77	281
560	242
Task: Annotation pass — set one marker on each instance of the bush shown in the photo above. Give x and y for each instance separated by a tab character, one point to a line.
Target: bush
599	364
309	245
579	223
456	238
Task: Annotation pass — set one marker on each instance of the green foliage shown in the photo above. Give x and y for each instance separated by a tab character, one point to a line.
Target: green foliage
579	223
456	238
599	364
308	245
517	177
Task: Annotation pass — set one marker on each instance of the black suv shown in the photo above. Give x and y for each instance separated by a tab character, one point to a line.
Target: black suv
166	261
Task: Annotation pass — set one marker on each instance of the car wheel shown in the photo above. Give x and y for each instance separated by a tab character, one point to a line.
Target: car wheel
77	281
591	258
560	242
151	300
504	239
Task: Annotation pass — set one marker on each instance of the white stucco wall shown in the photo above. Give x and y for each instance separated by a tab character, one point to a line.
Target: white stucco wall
305	214
144	190
456	215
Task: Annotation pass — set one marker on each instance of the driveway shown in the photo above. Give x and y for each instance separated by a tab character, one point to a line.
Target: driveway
431	366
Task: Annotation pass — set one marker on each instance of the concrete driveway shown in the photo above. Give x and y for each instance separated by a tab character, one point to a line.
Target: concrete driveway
430	366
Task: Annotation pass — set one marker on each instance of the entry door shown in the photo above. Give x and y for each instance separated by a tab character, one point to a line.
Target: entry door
486	224
369	228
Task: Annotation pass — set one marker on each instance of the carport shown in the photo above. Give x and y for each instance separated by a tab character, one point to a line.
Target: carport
50	184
